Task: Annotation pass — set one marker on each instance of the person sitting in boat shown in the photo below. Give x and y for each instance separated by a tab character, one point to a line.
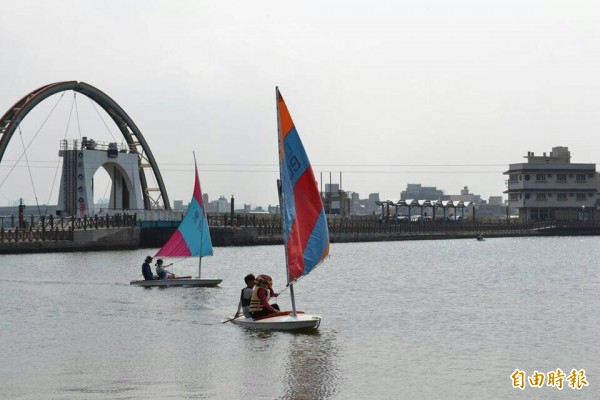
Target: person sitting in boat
147	270
261	294
162	273
246	296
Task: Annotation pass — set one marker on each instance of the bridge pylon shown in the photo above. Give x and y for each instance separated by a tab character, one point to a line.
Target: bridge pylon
81	160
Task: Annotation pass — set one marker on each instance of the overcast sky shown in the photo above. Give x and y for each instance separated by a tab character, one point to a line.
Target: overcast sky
442	93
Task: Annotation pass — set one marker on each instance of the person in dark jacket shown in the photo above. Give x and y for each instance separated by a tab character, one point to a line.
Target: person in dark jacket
147	269
246	295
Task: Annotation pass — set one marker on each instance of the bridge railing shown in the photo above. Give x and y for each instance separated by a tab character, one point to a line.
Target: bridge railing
34	235
367	226
266	224
270	224
49	227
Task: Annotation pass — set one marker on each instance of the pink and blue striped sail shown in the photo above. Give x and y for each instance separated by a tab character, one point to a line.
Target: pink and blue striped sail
192	237
306	236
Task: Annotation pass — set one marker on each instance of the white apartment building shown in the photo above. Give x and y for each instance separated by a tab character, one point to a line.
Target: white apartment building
550	187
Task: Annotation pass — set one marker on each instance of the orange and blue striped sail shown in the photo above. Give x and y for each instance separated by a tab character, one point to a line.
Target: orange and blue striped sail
306	236
192	237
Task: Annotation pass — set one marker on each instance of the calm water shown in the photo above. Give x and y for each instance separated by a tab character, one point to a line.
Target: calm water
407	320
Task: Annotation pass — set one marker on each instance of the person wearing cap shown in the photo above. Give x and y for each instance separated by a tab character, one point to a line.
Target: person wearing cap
262	293
147	270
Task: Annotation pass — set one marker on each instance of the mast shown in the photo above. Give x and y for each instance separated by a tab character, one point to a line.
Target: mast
287	269
201	224
282	201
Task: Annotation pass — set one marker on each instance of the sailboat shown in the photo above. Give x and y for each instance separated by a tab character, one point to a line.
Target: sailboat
305	232
191	239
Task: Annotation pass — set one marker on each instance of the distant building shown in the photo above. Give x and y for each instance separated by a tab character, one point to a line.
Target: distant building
416	191
371	205
494	208
9	211
332	187
217	206
336	203
465	196
551	187
366	206
222	205
249	209
495	201
177	204
355	207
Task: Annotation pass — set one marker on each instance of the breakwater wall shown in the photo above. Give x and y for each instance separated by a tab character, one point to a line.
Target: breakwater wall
155	235
220	236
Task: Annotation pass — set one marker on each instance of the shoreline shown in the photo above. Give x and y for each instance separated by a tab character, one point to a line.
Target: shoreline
133	238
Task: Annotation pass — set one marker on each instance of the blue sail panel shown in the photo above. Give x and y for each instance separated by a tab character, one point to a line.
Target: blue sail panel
306	235
192	237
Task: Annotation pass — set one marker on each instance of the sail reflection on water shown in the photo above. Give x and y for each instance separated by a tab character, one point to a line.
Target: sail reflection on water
312	371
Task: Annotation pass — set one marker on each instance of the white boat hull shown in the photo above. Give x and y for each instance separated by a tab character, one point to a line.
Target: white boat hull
283	321
189	282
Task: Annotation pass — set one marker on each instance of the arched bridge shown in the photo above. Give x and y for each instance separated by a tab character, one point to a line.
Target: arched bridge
134	138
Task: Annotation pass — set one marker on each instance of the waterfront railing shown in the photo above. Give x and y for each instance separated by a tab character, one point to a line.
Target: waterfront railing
51	228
